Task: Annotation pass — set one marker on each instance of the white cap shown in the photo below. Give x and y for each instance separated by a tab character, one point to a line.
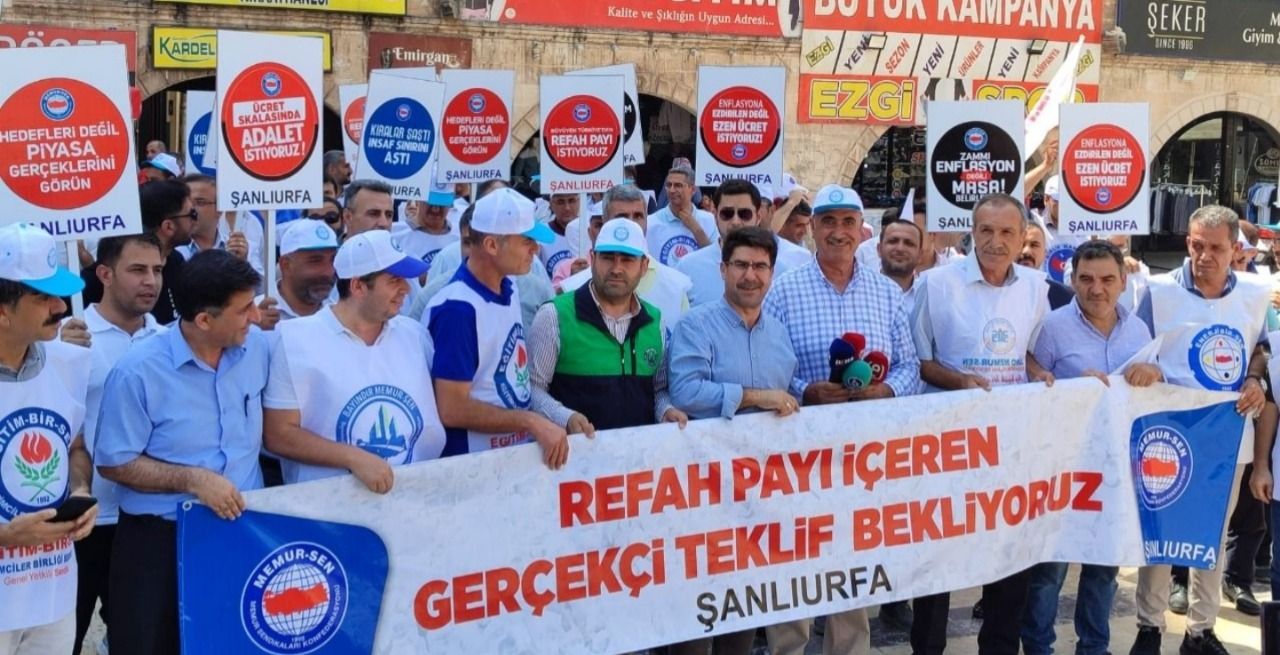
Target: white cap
30	256
505	211
790	184
440	194
165	162
621	235
834	196
1051	187
306	234
766	192
596	209
375	252
1244	242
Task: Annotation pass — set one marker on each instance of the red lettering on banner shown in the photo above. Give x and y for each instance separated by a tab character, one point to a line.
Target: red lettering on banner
1089	483
617	497
745	547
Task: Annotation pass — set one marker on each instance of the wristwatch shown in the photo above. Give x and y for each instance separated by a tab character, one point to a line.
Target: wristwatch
1262	382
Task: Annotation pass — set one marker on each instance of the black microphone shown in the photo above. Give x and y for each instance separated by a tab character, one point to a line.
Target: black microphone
842	353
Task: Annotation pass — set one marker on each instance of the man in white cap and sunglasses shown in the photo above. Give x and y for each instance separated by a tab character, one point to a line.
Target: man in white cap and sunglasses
348	389
43	386
481	363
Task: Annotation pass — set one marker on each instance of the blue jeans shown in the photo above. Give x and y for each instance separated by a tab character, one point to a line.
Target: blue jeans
1093	608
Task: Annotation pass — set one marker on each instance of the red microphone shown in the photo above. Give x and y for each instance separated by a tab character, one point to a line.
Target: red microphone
856	340
879	365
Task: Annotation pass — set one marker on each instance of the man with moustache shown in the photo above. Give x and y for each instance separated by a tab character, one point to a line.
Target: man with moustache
975	325
900	249
1032	256
307	249
598	352
819	302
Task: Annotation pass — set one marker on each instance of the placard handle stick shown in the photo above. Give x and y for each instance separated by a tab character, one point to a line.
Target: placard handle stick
73	265
584	241
269	253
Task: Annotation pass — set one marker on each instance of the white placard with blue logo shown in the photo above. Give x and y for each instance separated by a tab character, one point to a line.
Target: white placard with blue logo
974	149
741	124
66	141
1105	185
401	131
581	139
632	126
197	130
476	141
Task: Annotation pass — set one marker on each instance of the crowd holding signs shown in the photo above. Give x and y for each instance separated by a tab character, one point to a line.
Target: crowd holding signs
418	377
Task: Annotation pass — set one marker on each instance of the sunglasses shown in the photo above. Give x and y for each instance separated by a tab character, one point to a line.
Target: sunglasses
193	215
742	213
331	217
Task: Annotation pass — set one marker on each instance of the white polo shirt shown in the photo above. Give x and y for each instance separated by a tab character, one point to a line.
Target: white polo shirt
670	241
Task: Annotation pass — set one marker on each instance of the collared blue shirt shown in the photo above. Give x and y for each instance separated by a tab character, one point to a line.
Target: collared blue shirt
714	356
1069	344
163	402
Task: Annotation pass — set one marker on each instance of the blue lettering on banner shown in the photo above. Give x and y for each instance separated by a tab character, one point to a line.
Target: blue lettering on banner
399	138
1184	464
303	586
84	225
1217	358
481	175
198	142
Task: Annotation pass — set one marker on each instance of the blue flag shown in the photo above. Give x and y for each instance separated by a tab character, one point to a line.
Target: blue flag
267	583
1184	464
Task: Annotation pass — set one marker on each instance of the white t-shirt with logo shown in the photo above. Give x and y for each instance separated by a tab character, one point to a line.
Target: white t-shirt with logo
670	241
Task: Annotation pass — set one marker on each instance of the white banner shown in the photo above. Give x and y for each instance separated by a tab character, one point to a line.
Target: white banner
657	535
740	124
632	126
581	133
1043	117
401	131
196	128
269	113
351	97
974	149
66	141
1103	162
476	131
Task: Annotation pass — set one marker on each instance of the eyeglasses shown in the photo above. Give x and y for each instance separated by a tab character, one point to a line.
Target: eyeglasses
743	213
193	215
742	267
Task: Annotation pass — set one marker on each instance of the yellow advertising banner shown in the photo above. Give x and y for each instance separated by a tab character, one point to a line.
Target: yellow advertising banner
388	7
197	47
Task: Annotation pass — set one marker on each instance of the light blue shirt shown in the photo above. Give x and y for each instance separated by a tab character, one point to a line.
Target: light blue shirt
714	356
163	402
1069	344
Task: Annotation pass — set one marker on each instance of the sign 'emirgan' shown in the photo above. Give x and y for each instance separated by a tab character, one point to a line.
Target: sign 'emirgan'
740	124
476	130
199	116
581	133
974	149
1104	169
351	99
269	111
401	130
66	141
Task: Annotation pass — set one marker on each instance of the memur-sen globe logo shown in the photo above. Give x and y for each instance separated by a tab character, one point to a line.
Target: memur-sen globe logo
295	600
74	144
582	134
270	121
740	126
1162	465
476	126
1217	358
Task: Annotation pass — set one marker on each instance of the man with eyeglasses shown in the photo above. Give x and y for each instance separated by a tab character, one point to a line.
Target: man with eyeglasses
210	230
818	303
737	207
679	229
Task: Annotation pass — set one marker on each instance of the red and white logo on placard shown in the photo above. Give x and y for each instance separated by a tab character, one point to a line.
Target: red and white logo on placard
66	144
740	126
1103	168
476	126
353	120
582	134
270	122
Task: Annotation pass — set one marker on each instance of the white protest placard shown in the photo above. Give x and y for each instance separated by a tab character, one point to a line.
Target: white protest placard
197	124
269	106
214	138
581	130
974	149
632	128
740	124
66	141
1105	187
351	97
401	131
476	131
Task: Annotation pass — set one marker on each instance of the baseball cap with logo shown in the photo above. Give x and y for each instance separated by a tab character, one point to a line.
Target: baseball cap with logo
441	194
1051	187
834	196
621	235
165	162
307	234
29	255
505	211
375	251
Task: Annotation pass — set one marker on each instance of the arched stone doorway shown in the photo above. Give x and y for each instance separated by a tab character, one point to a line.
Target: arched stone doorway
1226	153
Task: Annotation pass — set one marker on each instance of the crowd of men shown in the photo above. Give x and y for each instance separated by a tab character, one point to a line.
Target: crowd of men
203	385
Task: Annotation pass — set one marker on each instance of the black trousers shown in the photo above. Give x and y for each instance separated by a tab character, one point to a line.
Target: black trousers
145	569
93	557
1003	602
1245	533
